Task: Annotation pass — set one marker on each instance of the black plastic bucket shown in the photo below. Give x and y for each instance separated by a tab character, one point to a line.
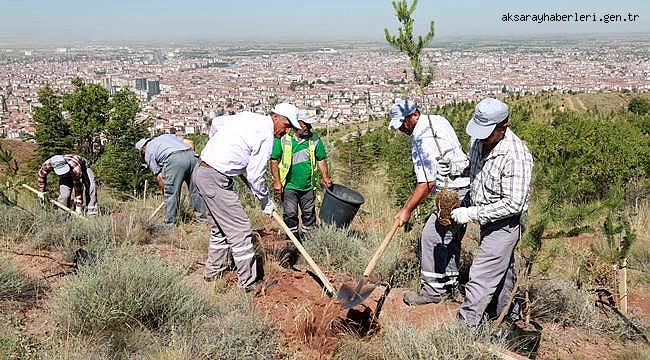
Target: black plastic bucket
340	205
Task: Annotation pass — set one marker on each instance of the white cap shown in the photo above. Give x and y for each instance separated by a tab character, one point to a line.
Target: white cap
489	112
399	111
59	164
140	143
289	111
303	115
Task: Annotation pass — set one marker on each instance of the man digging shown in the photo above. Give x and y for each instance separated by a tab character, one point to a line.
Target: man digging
74	172
437	162
242	146
500	171
171	160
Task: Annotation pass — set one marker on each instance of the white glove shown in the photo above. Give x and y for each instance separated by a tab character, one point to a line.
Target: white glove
268	207
41	195
463	215
444	167
78	210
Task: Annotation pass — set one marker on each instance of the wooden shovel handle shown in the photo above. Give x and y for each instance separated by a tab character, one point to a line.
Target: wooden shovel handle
381	249
304	253
55	203
157	209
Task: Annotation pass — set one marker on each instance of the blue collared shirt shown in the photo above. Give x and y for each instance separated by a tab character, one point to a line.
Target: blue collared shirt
159	149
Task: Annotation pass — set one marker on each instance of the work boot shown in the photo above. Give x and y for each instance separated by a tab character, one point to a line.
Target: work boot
412	298
254	286
217	275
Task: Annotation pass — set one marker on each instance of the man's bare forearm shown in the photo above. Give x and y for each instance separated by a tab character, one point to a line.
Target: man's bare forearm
420	192
324	171
161	182
275	171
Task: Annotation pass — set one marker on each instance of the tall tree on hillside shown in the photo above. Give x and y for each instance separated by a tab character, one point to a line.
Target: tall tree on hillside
88	106
52	133
119	165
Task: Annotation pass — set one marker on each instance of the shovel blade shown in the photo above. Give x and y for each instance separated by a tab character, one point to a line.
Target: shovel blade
353	296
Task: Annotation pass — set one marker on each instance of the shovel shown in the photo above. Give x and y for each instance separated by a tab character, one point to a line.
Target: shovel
304	254
56	203
298	245
353	296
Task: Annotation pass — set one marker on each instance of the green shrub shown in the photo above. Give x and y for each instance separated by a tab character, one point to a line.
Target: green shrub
13	282
241	332
127	291
449	341
563	304
585	157
15	345
346	251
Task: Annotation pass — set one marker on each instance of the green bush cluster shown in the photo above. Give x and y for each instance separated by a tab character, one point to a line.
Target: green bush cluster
449	341
586	157
346	251
561	303
127	291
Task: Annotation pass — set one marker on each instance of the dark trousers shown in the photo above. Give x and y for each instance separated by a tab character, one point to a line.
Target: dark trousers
292	200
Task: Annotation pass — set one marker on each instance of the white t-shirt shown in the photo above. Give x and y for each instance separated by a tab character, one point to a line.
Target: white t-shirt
242	145
425	152
219	121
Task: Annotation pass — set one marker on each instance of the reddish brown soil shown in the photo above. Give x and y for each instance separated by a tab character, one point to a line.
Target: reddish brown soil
570	343
47	272
640	301
22	152
312	322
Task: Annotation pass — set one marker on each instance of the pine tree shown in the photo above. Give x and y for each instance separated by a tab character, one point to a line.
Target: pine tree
408	44
119	165
52	131
88	106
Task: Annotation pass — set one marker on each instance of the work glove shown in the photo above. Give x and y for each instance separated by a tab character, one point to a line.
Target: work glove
463	215
268	207
444	167
447	167
41	195
78	210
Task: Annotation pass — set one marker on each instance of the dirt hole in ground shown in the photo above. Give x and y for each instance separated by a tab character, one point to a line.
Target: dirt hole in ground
308	318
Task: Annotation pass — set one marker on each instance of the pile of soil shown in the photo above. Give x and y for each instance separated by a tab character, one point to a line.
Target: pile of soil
312	323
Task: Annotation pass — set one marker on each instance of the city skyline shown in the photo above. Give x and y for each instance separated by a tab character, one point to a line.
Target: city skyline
32	21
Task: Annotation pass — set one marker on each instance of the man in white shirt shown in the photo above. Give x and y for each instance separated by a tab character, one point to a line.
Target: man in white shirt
238	147
500	171
440	245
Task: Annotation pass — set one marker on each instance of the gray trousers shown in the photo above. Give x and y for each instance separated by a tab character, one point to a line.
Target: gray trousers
440	256
230	227
492	275
90	190
177	170
292	200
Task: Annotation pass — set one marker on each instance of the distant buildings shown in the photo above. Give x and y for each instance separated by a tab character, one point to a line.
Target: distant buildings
153	87
344	86
141	84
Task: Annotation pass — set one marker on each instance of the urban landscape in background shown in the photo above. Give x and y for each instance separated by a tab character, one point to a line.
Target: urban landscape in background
182	87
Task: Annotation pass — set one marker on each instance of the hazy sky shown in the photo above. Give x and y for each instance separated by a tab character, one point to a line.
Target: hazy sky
232	20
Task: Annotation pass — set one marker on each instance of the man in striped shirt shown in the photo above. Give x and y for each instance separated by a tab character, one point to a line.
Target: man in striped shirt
500	172
74	172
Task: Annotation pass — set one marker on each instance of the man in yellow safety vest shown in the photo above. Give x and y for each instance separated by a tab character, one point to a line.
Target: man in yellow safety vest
293	165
